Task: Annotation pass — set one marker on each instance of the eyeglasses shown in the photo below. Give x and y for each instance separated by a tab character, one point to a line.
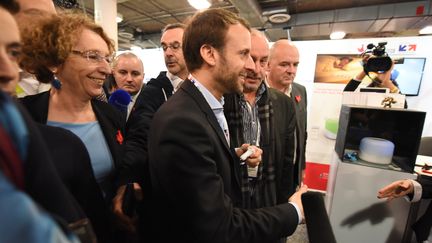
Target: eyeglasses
94	56
174	46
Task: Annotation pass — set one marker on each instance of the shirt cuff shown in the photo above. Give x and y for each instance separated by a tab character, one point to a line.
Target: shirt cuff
418	191
299	214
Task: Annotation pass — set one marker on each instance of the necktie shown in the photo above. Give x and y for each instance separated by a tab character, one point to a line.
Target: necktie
222	123
225	129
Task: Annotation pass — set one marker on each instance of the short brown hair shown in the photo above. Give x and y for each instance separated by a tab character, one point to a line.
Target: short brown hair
207	27
173	26
49	42
127	54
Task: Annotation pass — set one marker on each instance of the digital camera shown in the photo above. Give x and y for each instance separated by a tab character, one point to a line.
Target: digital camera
379	61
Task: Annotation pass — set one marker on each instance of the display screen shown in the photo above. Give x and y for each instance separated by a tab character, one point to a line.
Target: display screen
410	75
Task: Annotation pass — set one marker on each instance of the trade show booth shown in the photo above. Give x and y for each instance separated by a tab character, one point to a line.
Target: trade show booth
374	147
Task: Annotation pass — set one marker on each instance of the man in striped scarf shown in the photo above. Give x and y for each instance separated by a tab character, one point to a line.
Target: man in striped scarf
264	117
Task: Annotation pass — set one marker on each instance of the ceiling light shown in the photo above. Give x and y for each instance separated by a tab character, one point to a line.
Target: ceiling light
135	48
426	30
337	35
279	18
119	18
199	4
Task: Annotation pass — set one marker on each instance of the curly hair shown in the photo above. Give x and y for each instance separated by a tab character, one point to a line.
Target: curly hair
50	41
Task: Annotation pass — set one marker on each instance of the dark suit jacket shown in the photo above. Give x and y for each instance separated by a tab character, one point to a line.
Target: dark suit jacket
151	97
42	181
75	169
73	165
426	182
110	120
195	182
299	97
284	123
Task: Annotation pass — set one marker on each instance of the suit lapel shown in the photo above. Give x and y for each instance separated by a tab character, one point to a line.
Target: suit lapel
108	130
191	89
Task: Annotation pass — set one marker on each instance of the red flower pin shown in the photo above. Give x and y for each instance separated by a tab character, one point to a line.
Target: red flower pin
119	137
298	98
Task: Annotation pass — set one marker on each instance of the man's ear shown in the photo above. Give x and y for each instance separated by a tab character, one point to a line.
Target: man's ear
209	54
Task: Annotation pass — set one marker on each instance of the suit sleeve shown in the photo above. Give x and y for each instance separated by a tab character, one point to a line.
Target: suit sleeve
135	162
286	182
183	167
426	183
303	154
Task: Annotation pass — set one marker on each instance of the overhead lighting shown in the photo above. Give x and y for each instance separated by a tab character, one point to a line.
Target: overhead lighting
426	30
119	18
135	48
337	35
199	4
279	18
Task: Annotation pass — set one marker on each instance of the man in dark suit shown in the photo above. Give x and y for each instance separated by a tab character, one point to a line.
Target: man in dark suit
283	63
414	190
151	97
194	172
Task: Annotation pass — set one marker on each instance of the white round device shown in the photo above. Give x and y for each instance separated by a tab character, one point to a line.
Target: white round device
376	150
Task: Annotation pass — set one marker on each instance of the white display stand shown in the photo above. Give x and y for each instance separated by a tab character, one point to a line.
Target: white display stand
356	214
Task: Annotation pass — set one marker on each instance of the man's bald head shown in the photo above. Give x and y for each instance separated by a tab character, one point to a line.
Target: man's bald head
282	66
283	45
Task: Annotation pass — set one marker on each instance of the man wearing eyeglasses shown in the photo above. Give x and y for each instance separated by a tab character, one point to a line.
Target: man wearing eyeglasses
152	96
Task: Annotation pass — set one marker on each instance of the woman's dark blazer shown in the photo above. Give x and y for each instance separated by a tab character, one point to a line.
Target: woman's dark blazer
74	167
111	120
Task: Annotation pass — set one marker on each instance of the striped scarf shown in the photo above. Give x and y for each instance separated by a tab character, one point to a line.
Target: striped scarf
263	192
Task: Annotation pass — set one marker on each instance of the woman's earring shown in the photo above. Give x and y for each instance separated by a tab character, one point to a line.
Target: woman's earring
56	83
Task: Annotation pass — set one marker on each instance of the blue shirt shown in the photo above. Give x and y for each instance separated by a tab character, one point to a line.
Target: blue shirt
100	156
215	105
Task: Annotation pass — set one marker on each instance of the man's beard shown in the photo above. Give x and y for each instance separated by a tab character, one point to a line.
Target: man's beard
229	81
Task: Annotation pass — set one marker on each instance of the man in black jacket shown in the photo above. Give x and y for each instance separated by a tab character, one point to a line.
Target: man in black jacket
193	168
283	63
415	190
151	97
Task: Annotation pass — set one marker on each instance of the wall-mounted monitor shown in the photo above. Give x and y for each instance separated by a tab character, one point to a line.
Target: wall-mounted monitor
410	74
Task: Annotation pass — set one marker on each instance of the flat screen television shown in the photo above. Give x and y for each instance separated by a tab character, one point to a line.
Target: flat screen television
410	74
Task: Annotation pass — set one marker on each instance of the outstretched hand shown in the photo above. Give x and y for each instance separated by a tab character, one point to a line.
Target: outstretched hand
396	189
296	198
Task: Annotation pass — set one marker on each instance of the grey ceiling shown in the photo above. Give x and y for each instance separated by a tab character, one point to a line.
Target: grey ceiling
310	19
